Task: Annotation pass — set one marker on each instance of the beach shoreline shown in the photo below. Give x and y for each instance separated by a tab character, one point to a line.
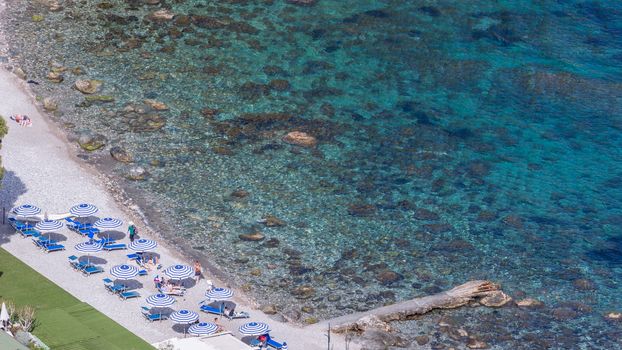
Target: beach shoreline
48	173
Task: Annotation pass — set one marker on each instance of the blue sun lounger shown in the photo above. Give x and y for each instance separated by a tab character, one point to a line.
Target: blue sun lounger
29	233
113	288
153	317
89	270
129	295
212	310
117	246
20	225
273	344
53	247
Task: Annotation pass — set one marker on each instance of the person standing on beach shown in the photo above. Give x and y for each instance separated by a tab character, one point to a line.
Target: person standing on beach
198	270
131	230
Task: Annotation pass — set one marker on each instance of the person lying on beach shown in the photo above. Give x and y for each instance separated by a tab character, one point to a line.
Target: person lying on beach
220	327
22	120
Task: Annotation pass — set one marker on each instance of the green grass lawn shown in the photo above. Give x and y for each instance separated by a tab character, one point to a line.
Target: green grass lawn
63	322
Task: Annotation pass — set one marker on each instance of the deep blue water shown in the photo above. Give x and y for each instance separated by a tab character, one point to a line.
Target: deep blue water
457	140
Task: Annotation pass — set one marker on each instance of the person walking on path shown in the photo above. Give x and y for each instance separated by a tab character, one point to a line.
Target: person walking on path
132	231
198	270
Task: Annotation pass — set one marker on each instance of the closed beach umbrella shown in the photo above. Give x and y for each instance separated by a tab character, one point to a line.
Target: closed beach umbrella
160	300
83	210
179	272
124	272
88	248
254	328
143	245
104	224
184	317
203	328
26	210
219	293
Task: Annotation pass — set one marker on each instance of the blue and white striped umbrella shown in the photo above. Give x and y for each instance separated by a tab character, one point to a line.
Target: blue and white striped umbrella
143	245
254	328
179	272
27	210
160	300
89	247
108	223
184	317
219	293
203	328
83	210
124	272
48	225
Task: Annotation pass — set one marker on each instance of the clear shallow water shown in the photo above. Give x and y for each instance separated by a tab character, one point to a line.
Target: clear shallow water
456	141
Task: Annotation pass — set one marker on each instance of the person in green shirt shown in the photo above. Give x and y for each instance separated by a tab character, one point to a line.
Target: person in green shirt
132	231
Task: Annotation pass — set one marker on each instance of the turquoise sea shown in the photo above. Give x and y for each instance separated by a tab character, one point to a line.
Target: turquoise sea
457	140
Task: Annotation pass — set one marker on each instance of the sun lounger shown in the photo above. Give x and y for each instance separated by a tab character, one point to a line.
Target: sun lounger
153	317
212	310
118	246
176	291
53	247
274	344
113	288
143	273
29	233
237	314
76	225
129	295
133	256
20	225
78	266
89	270
105	241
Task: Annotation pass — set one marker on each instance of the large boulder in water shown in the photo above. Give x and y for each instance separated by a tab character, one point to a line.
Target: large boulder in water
87	86
302	2
299	138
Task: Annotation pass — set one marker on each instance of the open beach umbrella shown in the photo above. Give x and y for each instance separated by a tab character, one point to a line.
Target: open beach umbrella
219	294
254	328
83	210
184	317
143	245
124	272
179	272
160	300
88	248
203	328
104	224
48	226
26	210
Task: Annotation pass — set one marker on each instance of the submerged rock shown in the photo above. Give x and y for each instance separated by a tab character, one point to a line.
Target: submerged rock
92	142
137	173
495	299
121	155
529	302
272	221
303	292
474	343
300	139
55	77
387	277
87	86
157	105
361	209
614	316
49	104
302	2
252	237
162	15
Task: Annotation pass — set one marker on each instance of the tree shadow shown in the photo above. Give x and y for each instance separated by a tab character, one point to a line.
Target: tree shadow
11	188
